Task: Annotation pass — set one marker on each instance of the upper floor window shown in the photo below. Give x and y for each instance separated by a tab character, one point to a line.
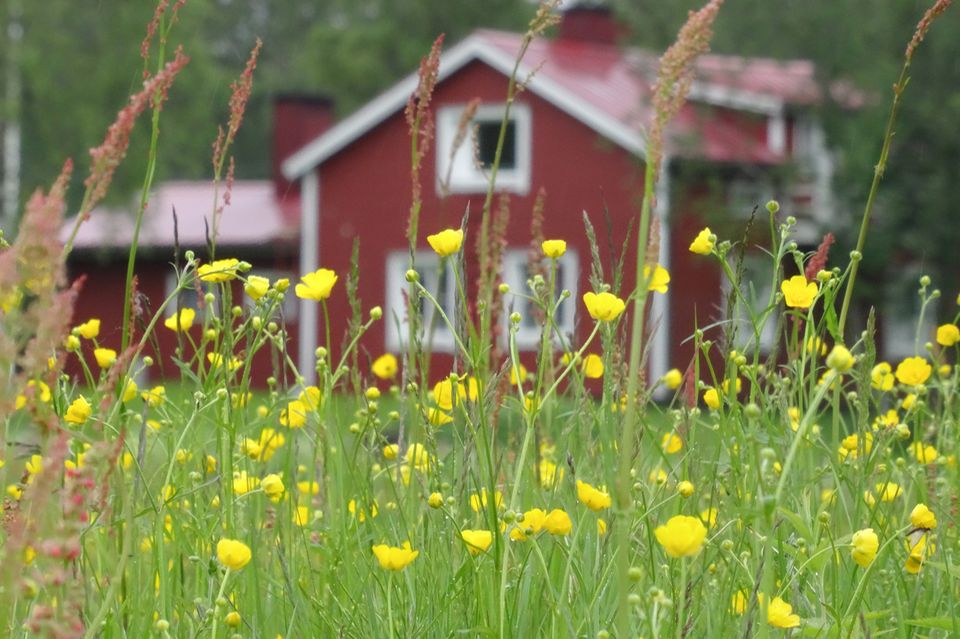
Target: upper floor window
465	157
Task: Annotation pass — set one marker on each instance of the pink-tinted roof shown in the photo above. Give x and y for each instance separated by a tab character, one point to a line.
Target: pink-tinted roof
254	217
618	81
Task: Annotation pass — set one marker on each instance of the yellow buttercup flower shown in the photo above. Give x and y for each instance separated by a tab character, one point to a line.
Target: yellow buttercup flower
865	544
913	371
780	614
604	307
816	345
43	394
181	320
533	521
256	286
923	517
592	366
925	453
517	375
711	398
595	500
385	366
310	397
417	456
446	242
709	516
703	243
233	554
316	286
395	557
557	522
738	603
886	492
948	335
554	248
89	329
681	536
477	540
105	357
840	359
361	513
479	502
437	417
672	379
243	483
155	396
79	411
671	443
549	474
881	377
920	550
273	487
659	280
444	392
71	343
294	415
797	292
850	446
219	270
130	391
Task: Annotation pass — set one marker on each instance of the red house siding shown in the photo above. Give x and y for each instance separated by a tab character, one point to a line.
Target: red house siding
365	191
102	298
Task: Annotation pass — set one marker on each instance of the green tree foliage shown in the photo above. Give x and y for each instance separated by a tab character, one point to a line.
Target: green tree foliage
860	43
79	64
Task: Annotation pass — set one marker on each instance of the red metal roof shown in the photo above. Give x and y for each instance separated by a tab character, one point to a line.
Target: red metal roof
618	82
254	217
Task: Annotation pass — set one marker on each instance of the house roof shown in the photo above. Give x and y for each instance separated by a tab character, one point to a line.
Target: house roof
605	87
253	217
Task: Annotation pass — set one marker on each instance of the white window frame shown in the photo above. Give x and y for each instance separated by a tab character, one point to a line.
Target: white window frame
899	328
513	272
465	174
441	340
758	301
744	193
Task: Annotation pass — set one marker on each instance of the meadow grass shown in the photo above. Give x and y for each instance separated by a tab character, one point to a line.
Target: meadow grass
808	490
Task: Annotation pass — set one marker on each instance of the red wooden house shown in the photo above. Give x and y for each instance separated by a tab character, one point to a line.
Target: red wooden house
577	132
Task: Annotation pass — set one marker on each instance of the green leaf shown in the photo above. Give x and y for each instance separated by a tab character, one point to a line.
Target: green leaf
938	623
798	524
833	323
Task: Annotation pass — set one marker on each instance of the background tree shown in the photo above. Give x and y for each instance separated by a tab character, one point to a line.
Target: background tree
79	64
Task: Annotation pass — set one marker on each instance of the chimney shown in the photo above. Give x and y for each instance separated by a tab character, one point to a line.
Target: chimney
298	119
591	21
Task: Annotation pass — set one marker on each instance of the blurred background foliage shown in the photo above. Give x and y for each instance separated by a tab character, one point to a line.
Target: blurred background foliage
80	61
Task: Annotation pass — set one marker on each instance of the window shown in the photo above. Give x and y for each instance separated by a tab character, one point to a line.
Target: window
464	162
900	328
744	194
435	332
516	273
755	287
